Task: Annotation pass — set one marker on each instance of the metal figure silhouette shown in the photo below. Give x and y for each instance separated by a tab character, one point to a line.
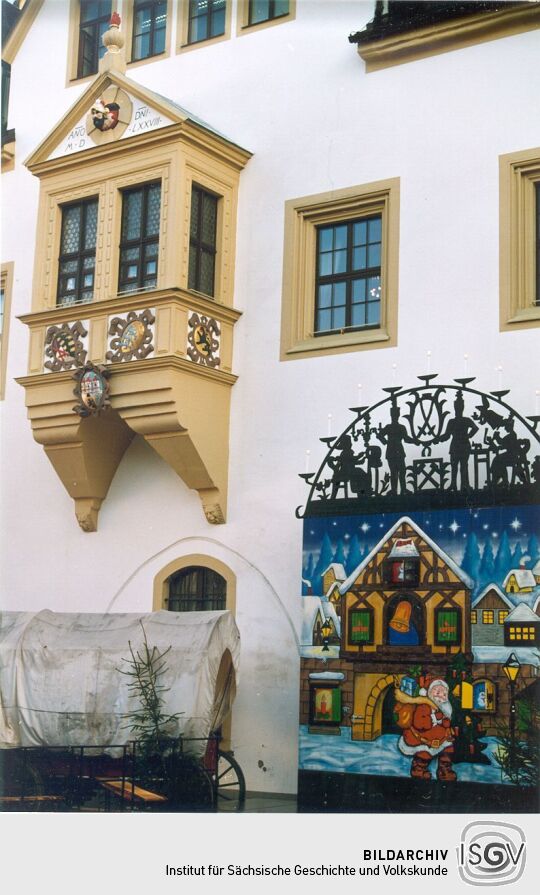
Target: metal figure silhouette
394	435
460	430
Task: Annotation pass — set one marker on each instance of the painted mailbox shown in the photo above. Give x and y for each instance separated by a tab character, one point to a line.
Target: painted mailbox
421	598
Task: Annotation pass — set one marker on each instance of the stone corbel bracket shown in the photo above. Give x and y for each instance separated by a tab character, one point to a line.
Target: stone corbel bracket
179	408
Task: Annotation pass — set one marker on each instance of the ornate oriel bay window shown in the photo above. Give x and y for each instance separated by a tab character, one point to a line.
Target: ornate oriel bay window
114	285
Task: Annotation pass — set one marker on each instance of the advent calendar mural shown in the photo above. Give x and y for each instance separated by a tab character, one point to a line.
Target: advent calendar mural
421	592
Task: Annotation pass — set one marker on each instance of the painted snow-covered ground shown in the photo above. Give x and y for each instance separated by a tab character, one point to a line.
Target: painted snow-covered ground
319	752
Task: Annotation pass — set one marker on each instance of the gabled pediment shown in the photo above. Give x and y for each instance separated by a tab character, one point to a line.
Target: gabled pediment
112	109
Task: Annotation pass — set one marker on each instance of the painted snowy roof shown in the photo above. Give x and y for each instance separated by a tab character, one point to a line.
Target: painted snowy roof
338	569
499	593
403	547
536	568
522	613
310	607
524	578
438	550
499	654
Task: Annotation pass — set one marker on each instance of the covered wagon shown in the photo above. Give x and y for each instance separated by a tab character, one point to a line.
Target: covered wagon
64	681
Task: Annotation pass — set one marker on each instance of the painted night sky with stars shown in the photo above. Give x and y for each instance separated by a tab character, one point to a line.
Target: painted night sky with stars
455	531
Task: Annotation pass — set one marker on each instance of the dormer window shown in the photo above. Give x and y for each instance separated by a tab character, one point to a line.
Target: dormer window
77	261
139	243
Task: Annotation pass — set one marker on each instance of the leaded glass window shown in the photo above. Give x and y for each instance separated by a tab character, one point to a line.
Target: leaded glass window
139	244
149	28
77	261
196	588
202	240
348	281
94	21
265	10
206	19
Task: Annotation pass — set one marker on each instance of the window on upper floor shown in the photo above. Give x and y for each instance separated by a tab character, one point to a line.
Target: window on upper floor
202	240
502	615
139	240
474	617
77	260
264	10
340	271
260	13
519	238
206	20
149	29
488	617
94	18
348	282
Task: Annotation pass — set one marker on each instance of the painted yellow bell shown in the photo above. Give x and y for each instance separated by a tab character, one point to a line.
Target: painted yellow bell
402	617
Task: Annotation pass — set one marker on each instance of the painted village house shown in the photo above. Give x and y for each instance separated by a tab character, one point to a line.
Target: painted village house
246	240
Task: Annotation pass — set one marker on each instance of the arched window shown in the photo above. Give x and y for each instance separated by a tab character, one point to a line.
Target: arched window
196	588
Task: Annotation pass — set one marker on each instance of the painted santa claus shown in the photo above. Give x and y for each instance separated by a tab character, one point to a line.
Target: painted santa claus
426	720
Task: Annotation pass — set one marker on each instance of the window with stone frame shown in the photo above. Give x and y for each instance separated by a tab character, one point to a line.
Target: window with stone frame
139	242
519	239
340	274
77	260
206	20
94	18
149	30
266	10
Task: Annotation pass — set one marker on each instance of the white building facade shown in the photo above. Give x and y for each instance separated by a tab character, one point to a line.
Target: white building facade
439	146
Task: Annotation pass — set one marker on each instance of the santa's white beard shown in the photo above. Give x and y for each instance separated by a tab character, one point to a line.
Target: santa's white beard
445	707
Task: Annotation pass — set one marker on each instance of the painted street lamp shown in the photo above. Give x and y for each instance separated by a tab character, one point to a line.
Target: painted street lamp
511	670
326	630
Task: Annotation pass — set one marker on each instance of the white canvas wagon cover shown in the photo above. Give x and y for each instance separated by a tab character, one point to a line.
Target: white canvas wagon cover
61	682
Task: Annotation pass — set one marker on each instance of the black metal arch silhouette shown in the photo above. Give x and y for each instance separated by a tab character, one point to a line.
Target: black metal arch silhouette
429	446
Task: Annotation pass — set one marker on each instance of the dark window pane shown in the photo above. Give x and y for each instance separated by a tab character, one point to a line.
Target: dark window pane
149	28
94	20
77	252
349	260
202	240
218	20
206	276
140	238
197	589
263	10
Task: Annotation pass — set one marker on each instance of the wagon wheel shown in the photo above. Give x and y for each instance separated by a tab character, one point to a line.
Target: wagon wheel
230	783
